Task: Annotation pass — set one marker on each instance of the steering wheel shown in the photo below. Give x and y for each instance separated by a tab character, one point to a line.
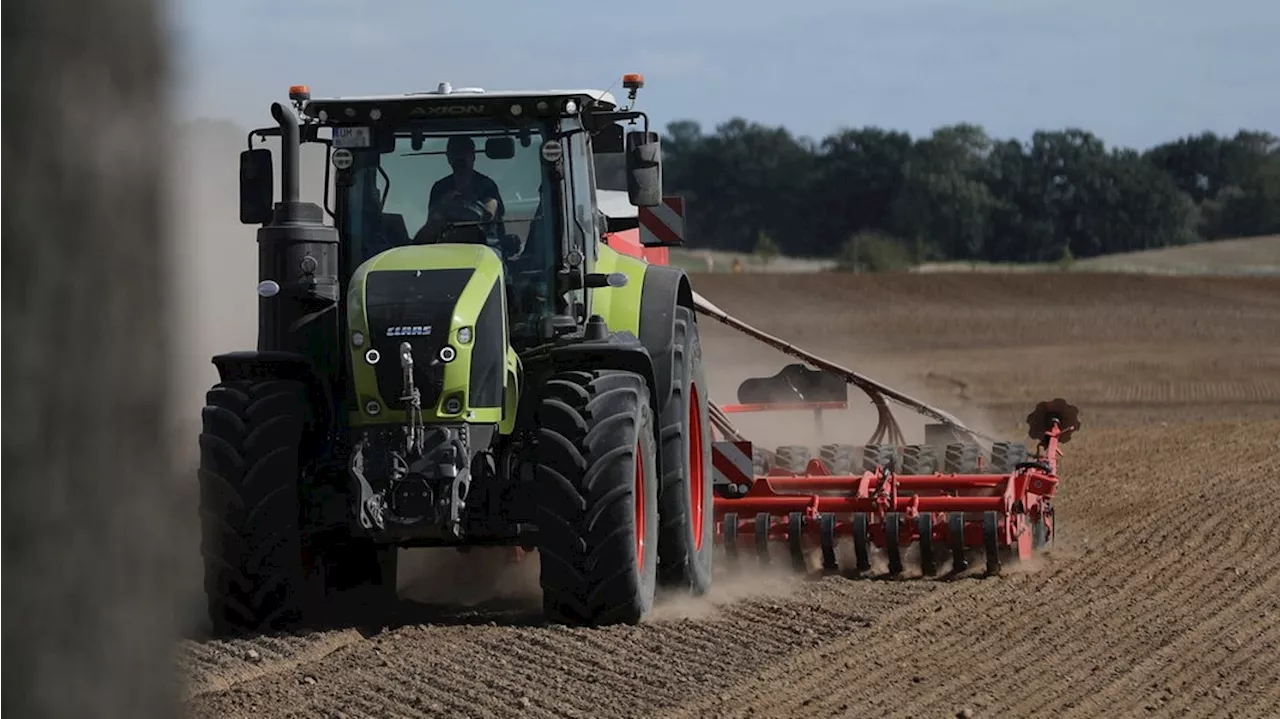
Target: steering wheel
456	215
456	209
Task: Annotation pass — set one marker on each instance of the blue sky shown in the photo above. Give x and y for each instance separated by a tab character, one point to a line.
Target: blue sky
1137	72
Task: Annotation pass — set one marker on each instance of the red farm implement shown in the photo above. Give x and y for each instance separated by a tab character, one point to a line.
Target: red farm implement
949	496
955	494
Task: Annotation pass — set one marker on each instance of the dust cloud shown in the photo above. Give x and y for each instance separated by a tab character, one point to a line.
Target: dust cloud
729	586
216	259
214	304
731	357
480	575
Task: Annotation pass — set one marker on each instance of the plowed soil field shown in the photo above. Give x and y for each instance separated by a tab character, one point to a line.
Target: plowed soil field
1161	596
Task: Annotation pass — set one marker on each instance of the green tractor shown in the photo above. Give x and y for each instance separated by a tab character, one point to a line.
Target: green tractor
503	375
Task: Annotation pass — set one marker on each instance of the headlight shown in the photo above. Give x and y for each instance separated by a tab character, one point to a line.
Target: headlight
357	339
464	335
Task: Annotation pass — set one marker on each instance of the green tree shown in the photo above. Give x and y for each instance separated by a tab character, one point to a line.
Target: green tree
765	248
960	194
872	251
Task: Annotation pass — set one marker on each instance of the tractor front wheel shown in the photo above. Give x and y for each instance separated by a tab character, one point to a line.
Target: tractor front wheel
597	498
262	571
254	575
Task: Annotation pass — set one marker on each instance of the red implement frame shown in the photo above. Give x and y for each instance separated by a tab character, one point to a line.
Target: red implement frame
1006	515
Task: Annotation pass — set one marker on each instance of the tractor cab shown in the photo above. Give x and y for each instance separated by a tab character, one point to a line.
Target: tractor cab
512	171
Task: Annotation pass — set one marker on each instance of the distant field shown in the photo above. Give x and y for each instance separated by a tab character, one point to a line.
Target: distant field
1247	256
696	261
1257	256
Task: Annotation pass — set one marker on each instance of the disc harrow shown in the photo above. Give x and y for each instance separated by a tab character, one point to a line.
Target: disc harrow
946	502
1002	510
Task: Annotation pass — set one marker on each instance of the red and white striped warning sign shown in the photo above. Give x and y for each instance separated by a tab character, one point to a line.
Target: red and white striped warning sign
731	464
663	224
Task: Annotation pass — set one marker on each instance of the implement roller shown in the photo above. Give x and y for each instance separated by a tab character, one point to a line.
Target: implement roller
958	492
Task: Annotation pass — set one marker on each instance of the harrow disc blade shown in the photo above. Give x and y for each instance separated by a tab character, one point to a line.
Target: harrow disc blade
827	531
795	541
955	530
762	537
730	530
924	527
1045	414
861	541
991	541
893	541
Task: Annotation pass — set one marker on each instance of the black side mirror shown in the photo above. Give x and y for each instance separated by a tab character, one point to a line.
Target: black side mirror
644	169
256	186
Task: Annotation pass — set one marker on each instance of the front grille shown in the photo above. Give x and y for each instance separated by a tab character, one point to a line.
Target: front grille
414	306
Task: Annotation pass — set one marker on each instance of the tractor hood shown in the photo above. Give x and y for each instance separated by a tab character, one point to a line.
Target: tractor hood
446	302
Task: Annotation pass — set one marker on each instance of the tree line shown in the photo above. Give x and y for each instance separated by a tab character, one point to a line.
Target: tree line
880	197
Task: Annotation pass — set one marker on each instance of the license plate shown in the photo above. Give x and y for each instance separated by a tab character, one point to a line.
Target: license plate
356	137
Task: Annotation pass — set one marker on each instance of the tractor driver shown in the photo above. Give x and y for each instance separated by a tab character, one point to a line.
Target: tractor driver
464	196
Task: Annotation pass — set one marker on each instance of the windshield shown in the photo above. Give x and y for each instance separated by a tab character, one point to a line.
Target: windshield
454	181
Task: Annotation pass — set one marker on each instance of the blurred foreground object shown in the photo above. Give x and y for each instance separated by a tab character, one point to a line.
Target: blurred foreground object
88	518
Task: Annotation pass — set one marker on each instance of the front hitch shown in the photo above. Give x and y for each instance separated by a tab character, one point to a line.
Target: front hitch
427	471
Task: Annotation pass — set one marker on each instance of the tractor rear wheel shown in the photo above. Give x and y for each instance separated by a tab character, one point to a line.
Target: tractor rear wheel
684	510
249	506
597	497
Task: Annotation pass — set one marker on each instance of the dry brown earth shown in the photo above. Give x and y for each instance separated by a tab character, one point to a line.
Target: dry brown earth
1161	598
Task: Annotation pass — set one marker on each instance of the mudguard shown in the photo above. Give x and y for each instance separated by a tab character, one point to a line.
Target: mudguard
276	364
664	289
618	351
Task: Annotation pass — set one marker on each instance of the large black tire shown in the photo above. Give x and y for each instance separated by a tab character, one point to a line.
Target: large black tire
597	545
1006	456
961	458
249	506
879	455
918	459
793	458
842	459
687	524
761	461
262	572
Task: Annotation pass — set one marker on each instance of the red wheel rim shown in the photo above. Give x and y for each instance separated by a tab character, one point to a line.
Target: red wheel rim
639	502
696	498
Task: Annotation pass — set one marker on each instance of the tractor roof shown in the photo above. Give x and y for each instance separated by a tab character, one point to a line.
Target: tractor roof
602	96
447	95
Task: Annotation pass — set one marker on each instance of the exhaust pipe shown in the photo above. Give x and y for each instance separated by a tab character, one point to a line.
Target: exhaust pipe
290	148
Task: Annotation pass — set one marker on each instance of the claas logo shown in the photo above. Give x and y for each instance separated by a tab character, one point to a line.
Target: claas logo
409	331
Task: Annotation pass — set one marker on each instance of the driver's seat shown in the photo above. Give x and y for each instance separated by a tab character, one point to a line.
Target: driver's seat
394	229
392	232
